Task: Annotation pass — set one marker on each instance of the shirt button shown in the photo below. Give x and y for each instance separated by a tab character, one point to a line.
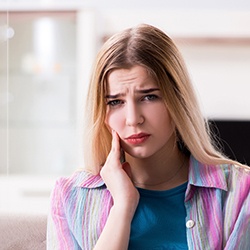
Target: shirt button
190	224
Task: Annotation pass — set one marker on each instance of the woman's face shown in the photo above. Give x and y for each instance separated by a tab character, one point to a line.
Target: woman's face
136	111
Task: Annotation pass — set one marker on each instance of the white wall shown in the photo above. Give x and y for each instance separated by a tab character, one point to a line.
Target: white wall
221	76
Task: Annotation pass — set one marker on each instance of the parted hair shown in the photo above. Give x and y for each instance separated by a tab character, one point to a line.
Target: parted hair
150	47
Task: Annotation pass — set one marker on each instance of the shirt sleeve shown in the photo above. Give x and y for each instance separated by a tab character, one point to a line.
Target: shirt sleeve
239	238
239	201
59	235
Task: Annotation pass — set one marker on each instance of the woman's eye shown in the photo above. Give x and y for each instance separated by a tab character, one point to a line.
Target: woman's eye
114	103
150	97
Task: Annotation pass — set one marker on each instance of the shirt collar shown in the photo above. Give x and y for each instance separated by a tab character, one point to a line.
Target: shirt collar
88	180
209	176
200	175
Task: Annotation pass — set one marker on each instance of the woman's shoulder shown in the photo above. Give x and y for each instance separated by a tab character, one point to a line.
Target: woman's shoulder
79	179
235	171
237	179
238	175
225	176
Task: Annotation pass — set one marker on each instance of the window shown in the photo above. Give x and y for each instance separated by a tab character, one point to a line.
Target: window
38	90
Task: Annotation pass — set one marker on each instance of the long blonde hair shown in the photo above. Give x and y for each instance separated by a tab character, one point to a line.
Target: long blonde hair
151	48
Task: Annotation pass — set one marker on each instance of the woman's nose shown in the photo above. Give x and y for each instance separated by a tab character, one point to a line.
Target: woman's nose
134	115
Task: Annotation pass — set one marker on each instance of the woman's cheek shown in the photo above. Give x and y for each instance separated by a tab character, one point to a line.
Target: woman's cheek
107	122
114	122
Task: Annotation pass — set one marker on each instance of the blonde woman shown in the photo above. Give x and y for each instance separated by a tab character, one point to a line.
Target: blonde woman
153	178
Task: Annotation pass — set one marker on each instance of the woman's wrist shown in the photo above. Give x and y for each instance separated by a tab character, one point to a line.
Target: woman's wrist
123	211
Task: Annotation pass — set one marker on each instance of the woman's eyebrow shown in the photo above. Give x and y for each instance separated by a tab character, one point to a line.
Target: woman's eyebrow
146	91
113	96
140	91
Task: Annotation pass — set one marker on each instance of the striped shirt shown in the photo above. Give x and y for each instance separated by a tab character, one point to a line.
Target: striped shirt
217	202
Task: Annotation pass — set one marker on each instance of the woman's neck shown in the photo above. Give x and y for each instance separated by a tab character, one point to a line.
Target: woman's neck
160	172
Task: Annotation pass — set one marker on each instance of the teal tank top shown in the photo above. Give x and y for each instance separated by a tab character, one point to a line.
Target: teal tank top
159	221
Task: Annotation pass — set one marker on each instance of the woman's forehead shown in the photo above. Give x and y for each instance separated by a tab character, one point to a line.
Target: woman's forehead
137	76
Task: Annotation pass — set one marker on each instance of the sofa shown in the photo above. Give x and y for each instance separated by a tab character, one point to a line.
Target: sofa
22	232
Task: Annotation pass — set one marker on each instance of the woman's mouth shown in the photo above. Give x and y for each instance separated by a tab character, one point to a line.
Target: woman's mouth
137	138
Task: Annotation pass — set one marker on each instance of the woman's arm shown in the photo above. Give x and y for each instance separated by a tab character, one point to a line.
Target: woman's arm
116	232
59	235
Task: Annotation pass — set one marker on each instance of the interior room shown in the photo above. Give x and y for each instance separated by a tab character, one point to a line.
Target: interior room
46	53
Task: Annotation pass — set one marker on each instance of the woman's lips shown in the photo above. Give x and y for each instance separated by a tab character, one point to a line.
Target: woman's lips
137	138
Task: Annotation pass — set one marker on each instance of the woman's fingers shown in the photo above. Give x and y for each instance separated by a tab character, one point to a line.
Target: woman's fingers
117	177
115	148
113	159
116	143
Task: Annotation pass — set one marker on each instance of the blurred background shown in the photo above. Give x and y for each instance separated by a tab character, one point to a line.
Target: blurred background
46	52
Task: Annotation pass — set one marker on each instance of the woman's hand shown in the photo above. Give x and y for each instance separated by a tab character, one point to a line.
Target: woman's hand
117	179
116	232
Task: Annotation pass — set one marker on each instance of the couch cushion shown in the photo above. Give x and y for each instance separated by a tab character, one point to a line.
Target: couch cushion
23	232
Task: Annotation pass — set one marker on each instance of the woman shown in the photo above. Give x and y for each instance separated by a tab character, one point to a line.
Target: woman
153	178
